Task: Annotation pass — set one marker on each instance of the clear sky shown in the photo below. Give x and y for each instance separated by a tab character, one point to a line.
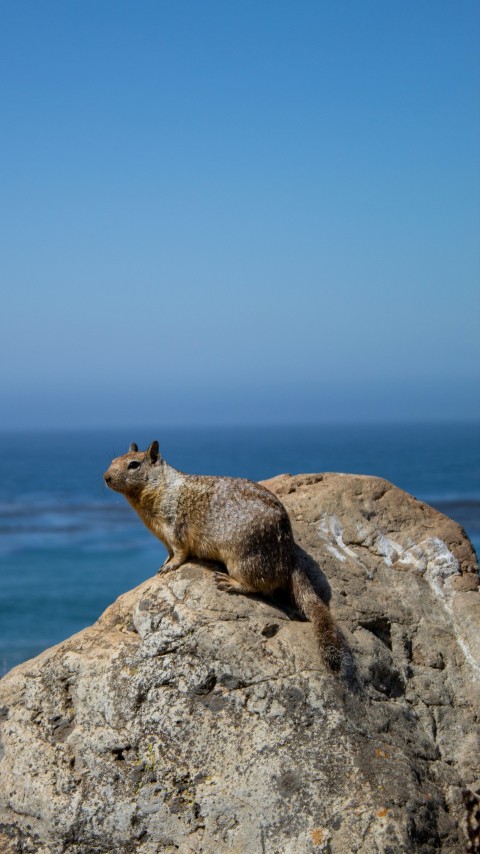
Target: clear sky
239	211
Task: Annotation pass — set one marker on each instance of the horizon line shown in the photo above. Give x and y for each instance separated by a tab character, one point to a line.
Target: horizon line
260	425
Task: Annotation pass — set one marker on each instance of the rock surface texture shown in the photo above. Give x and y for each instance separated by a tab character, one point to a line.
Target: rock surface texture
189	720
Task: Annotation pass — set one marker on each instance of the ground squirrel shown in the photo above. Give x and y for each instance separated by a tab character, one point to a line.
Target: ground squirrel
237	522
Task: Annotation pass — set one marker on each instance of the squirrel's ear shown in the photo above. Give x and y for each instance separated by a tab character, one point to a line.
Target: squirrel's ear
153	452
133	447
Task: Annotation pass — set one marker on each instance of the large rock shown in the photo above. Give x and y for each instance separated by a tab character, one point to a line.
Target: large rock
189	720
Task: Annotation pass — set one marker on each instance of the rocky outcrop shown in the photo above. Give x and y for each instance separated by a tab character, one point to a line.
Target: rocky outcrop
189	720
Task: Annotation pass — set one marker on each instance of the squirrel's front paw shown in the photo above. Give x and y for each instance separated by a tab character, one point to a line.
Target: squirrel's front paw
172	562
165	567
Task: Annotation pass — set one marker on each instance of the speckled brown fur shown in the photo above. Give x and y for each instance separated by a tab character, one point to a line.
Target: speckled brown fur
235	521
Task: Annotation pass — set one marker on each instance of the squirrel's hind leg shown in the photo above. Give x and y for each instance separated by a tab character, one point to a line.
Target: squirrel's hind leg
230	585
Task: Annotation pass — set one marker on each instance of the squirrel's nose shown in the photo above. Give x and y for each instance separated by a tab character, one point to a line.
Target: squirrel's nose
107	477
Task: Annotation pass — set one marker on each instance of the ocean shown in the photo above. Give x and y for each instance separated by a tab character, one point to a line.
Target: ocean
69	546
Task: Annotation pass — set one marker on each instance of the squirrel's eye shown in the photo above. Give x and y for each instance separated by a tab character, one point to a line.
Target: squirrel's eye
133	464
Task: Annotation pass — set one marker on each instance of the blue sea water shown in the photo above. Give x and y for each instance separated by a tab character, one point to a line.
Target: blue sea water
69	546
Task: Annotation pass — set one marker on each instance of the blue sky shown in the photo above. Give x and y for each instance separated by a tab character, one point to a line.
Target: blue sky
228	212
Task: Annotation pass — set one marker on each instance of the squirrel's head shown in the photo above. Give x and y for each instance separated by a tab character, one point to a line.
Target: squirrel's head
132	472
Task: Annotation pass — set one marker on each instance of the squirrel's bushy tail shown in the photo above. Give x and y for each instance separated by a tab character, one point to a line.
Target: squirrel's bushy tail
314	609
